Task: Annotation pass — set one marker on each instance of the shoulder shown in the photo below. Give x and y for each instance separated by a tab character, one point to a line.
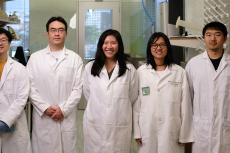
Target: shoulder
89	65
14	62
176	67
226	56
195	59
144	67
38	53
130	66
73	54
18	67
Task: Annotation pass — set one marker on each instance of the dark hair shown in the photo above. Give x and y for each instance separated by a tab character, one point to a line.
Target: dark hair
7	33
168	58
217	26
100	56
56	18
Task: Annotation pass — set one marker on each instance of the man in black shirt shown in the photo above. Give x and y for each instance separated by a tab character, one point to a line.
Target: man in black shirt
209	80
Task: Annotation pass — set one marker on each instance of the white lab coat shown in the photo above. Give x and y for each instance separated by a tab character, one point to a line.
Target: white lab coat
108	115
61	85
14	91
210	90
163	113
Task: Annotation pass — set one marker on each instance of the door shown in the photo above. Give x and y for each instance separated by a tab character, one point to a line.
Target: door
94	18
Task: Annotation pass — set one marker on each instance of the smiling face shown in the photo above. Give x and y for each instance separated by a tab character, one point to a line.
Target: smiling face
56	34
159	49
4	45
214	40
110	47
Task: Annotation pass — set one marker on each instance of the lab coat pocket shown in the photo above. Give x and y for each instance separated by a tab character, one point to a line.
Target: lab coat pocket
226	133
174	90
121	112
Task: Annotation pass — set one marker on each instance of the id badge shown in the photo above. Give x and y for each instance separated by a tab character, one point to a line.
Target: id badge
145	91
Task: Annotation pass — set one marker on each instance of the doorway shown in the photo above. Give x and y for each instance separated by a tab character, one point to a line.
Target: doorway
94	18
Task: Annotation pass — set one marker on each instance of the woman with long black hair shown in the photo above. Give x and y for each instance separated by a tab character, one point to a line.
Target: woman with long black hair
110	87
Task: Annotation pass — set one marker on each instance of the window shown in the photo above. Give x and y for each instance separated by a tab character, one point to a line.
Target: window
18	10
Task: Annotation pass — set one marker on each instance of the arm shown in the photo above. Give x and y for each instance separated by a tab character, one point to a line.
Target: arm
186	131
189	77
86	83
21	95
136	106
75	95
39	104
136	126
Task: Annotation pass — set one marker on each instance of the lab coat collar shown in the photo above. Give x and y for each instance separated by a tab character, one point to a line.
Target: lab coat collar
168	69
226	56
167	72
223	63
7	68
48	51
114	75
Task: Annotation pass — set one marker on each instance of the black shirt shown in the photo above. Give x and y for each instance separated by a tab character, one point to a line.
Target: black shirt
216	62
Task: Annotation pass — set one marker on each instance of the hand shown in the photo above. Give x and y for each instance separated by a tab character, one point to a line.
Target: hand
50	111
139	141
57	115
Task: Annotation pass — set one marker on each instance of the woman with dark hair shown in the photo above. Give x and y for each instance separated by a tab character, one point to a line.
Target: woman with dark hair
110	87
163	114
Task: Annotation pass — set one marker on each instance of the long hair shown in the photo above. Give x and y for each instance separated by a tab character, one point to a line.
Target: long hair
168	58
100	58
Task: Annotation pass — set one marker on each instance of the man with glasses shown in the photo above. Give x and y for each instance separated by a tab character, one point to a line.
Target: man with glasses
56	86
14	91
209	80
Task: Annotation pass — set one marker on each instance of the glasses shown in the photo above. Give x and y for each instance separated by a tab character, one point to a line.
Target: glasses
162	46
3	41
60	30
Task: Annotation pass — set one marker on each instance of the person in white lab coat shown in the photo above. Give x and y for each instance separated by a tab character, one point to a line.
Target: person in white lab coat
110	87
209	80
56	87
163	113
14	91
